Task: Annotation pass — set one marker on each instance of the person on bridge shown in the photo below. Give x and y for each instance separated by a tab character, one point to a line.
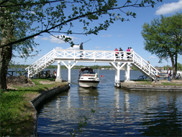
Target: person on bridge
131	52
120	49
116	52
81	49
128	53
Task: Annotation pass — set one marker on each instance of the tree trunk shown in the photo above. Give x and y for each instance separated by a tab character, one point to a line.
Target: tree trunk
5	57
7	28
175	65
172	61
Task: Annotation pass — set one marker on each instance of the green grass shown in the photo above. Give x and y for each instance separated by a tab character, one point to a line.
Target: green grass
12	105
39	87
145	82
171	84
15	110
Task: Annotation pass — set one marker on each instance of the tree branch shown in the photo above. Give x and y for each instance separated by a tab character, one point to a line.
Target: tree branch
3	2
69	20
31	4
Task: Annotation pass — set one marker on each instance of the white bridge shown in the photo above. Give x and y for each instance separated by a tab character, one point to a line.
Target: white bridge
70	57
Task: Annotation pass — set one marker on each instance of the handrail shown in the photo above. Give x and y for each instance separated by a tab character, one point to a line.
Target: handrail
35	67
145	66
92	54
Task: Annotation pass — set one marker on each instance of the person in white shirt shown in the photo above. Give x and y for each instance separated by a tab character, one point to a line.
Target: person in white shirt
131	51
169	74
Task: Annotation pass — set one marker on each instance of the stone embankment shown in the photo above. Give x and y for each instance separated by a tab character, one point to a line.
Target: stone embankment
176	85
40	100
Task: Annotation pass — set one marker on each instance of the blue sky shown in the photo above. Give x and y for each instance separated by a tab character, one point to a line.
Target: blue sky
120	34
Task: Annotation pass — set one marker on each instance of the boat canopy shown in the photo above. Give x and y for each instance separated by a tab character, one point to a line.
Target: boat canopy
86	69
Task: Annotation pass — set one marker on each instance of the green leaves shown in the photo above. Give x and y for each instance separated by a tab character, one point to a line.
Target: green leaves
163	37
54	15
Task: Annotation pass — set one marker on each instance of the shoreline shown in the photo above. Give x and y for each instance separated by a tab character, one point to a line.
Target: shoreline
38	99
41	99
131	86
22	99
162	85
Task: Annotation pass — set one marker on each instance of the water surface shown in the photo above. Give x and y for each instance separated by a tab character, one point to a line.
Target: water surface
118	112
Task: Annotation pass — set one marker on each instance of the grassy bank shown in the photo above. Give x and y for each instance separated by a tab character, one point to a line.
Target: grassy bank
162	82
16	112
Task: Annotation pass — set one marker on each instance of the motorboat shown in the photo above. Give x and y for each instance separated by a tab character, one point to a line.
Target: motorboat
88	78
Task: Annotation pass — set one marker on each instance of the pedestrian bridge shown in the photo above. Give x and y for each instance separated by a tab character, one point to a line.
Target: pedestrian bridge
70	57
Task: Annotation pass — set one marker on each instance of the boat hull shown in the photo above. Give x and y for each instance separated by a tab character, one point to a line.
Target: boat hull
87	84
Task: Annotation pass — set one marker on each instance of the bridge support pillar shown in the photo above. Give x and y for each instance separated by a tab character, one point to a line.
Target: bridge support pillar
127	72
117	76
117	67
69	66
58	76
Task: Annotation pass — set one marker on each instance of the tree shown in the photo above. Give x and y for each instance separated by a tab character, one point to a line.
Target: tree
179	66
15	24
163	37
18	18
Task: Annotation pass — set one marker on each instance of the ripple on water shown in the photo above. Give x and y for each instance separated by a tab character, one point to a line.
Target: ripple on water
117	112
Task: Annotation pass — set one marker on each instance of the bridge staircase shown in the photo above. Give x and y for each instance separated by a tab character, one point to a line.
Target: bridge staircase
144	66
41	64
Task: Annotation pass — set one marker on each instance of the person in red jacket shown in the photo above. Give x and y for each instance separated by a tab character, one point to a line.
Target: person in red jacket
116	52
128	52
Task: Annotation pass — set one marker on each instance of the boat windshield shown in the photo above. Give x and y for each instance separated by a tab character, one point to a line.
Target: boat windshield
87	70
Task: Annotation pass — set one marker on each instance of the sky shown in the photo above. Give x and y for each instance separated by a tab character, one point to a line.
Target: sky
120	34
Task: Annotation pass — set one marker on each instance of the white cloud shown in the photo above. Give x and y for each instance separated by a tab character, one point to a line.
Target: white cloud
75	47
97	47
58	48
108	47
44	38
57	40
152	57
106	35
169	8
120	35
35	37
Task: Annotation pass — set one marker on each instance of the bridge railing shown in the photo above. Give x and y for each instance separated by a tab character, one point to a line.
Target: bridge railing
144	65
93	54
49	58
41	63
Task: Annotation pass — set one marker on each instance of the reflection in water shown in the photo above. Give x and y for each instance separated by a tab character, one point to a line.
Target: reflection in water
88	97
88	91
167	117
69	100
117	112
117	99
126	101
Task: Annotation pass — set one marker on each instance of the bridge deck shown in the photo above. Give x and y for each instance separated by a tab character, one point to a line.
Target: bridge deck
93	60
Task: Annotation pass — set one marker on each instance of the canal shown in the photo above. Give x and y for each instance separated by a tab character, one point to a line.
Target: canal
110	111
